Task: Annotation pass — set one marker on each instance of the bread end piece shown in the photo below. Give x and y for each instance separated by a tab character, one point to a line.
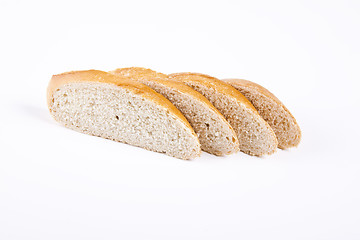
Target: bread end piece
272	110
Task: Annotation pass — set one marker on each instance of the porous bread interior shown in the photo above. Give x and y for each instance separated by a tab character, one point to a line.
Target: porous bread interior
115	113
254	134
215	135
286	129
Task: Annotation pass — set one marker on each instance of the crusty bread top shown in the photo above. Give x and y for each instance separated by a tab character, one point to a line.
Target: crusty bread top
104	77
151	75
253	85
213	83
139	72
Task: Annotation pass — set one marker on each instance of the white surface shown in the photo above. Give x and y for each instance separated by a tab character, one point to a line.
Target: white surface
59	184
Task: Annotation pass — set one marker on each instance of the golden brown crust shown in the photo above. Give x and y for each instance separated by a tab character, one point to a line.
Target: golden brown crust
213	83
138	72
263	91
151	75
252	85
104	77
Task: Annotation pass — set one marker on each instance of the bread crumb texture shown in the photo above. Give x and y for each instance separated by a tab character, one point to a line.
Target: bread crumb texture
112	112
215	134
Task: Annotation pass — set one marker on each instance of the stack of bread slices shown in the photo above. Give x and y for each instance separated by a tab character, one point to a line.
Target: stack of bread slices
178	114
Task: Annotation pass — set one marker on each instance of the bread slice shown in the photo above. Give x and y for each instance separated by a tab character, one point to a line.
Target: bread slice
215	134
255	136
271	109
101	104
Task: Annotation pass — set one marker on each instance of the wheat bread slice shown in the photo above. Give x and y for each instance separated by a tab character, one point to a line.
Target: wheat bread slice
255	135
215	134
271	109
101	104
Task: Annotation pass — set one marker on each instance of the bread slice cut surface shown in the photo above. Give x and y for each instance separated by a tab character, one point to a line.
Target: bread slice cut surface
271	109
101	104
215	134
255	135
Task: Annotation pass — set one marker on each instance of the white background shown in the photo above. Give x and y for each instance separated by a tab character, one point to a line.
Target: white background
59	184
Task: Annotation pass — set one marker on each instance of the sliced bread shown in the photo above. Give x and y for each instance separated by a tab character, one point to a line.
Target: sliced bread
101	104
271	109
215	134
255	135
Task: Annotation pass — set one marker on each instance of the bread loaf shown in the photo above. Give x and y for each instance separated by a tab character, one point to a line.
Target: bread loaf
101	104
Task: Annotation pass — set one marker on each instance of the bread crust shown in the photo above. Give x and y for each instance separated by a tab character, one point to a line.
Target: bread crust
263	91
214	83
104	77
259	88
